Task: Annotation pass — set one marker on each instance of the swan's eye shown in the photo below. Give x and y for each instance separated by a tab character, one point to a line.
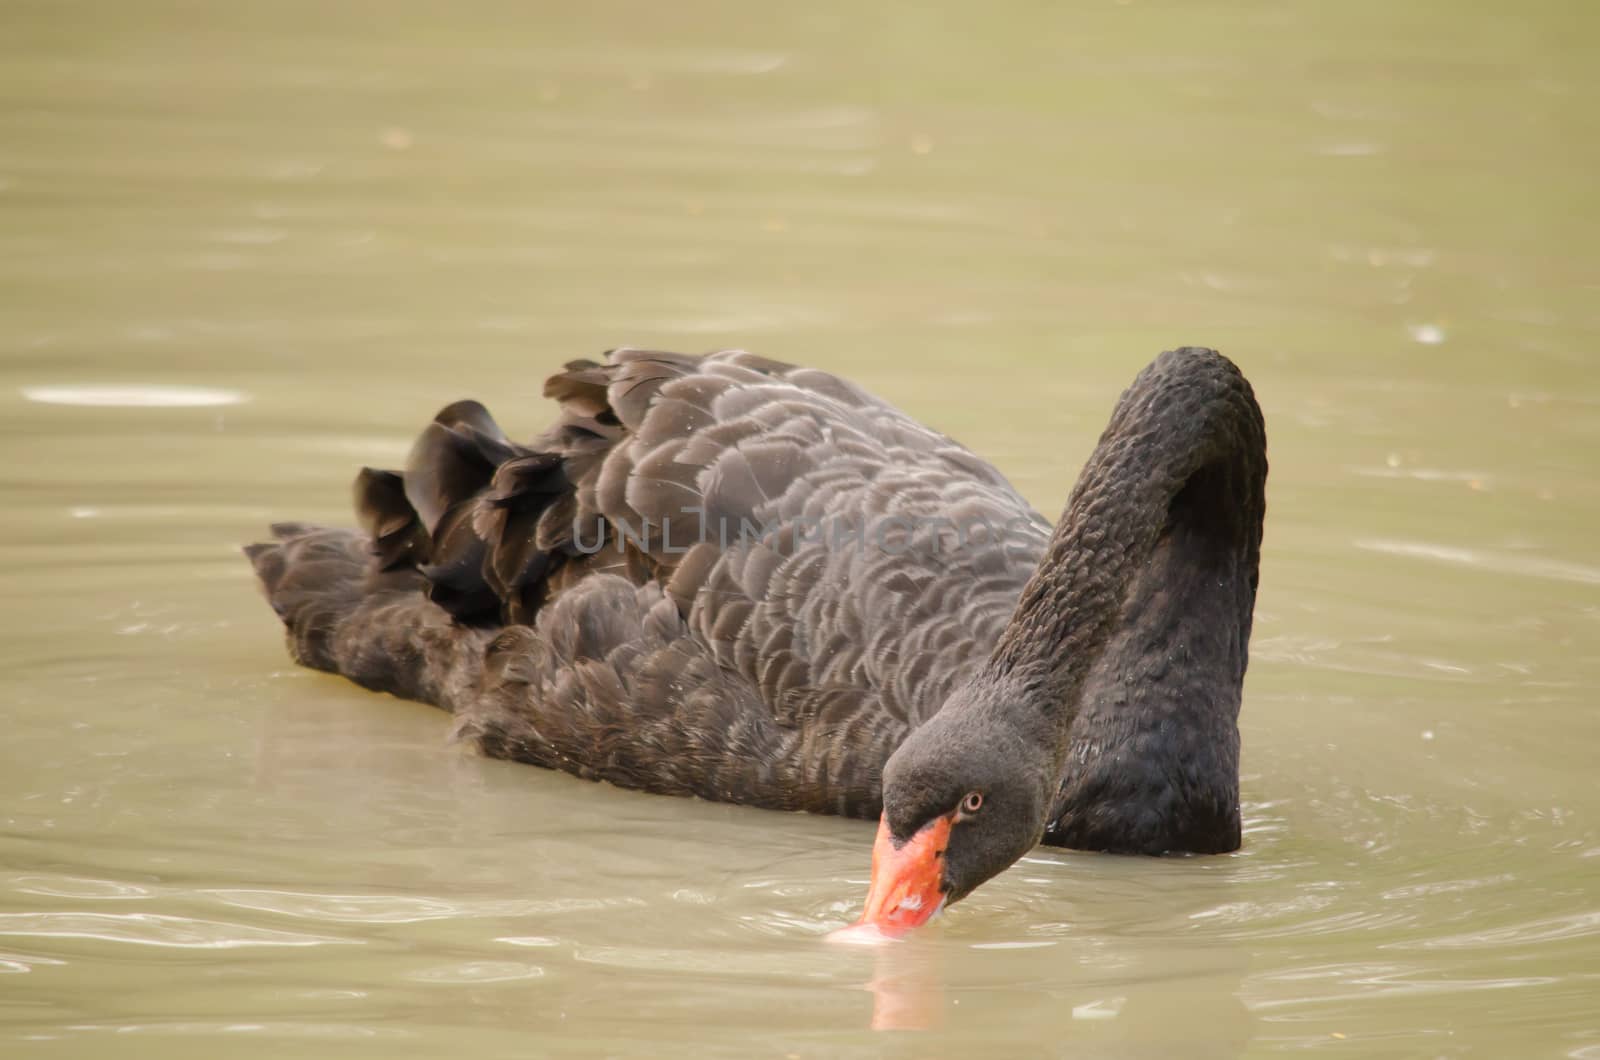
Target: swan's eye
973	802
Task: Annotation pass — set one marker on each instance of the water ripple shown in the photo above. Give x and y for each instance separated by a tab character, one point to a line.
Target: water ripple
1484	559
135	395
404	909
665	959
21	964
277	1028
1385	981
479	972
1578	925
83	887
153	929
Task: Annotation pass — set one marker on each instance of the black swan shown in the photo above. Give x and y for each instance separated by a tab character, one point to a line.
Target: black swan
735	578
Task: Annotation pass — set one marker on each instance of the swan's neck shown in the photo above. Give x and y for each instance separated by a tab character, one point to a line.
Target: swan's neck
1159	544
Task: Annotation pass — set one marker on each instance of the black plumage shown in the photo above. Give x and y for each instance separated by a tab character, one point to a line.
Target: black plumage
734	578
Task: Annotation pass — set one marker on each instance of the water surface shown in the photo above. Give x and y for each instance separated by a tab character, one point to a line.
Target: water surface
251	247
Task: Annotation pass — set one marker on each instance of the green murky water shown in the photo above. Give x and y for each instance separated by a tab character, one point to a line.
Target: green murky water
284	234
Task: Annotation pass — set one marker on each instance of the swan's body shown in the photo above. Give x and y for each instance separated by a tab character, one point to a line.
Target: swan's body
747	581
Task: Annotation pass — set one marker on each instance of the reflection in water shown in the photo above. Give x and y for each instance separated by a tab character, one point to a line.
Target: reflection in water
907	983
907	988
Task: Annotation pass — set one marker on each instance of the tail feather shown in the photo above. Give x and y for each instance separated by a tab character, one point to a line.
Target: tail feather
343	613
313	577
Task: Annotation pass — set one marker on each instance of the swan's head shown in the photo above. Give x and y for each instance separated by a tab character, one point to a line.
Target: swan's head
964	797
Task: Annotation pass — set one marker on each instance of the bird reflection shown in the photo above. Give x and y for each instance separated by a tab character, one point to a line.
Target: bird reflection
907	990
